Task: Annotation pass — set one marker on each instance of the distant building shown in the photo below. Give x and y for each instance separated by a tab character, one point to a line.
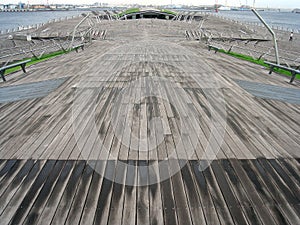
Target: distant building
10	7
53	7
296	11
21	5
39	7
224	8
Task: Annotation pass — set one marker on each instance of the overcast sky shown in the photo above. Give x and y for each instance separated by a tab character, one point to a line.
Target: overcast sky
258	3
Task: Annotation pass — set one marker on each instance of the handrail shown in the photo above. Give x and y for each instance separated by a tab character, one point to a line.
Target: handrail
75	29
271	31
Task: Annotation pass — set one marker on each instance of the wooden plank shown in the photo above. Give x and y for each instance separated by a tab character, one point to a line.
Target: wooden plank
264	193
181	205
29	119
118	194
21	192
251	210
232	203
90	207
2	163
33	142
143	137
209	209
130	210
286	201
8	165
24	107
286	184
252	189
151	129
12	188
169	207
41	200
56	194
81	194
194	201
142	199
217	197
291	168
155	201
9	176
230	191
68	194
102	211
31	194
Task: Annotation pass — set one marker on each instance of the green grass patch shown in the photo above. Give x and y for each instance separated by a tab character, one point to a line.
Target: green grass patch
35	60
136	10
258	62
168	11
128	11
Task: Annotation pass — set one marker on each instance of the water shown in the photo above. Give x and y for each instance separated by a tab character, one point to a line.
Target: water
286	20
11	20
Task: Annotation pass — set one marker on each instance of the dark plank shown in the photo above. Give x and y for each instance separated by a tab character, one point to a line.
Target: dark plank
118	194
265	194
53	201
44	194
81	194
209	209
130	210
11	173
232	203
32	193
194	201
142	199
91	202
170	214
12	188
252	210
68	194
292	170
19	195
217	197
8	165
104	199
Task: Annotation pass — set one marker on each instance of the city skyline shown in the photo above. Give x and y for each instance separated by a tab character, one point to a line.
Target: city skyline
258	3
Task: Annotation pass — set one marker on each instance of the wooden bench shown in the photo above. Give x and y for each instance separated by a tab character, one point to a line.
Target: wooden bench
293	71
210	47
76	47
21	63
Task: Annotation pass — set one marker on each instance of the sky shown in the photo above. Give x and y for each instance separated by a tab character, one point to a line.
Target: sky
258	3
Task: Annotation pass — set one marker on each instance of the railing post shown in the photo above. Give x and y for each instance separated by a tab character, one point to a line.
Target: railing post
272	32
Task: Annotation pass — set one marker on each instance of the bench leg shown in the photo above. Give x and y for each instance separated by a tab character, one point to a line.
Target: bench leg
23	67
271	69
2	75
293	77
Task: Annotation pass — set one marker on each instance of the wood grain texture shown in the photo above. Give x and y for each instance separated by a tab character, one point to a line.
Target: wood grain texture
149	128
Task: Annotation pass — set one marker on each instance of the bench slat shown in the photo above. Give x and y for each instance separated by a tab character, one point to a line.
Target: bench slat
293	71
21	63
78	46
213	47
14	64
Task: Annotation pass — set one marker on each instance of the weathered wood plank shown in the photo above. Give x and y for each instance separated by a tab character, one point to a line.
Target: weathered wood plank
32	193
69	192
57	192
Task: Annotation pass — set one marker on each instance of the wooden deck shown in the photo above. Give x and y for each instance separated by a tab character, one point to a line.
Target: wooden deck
149	128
